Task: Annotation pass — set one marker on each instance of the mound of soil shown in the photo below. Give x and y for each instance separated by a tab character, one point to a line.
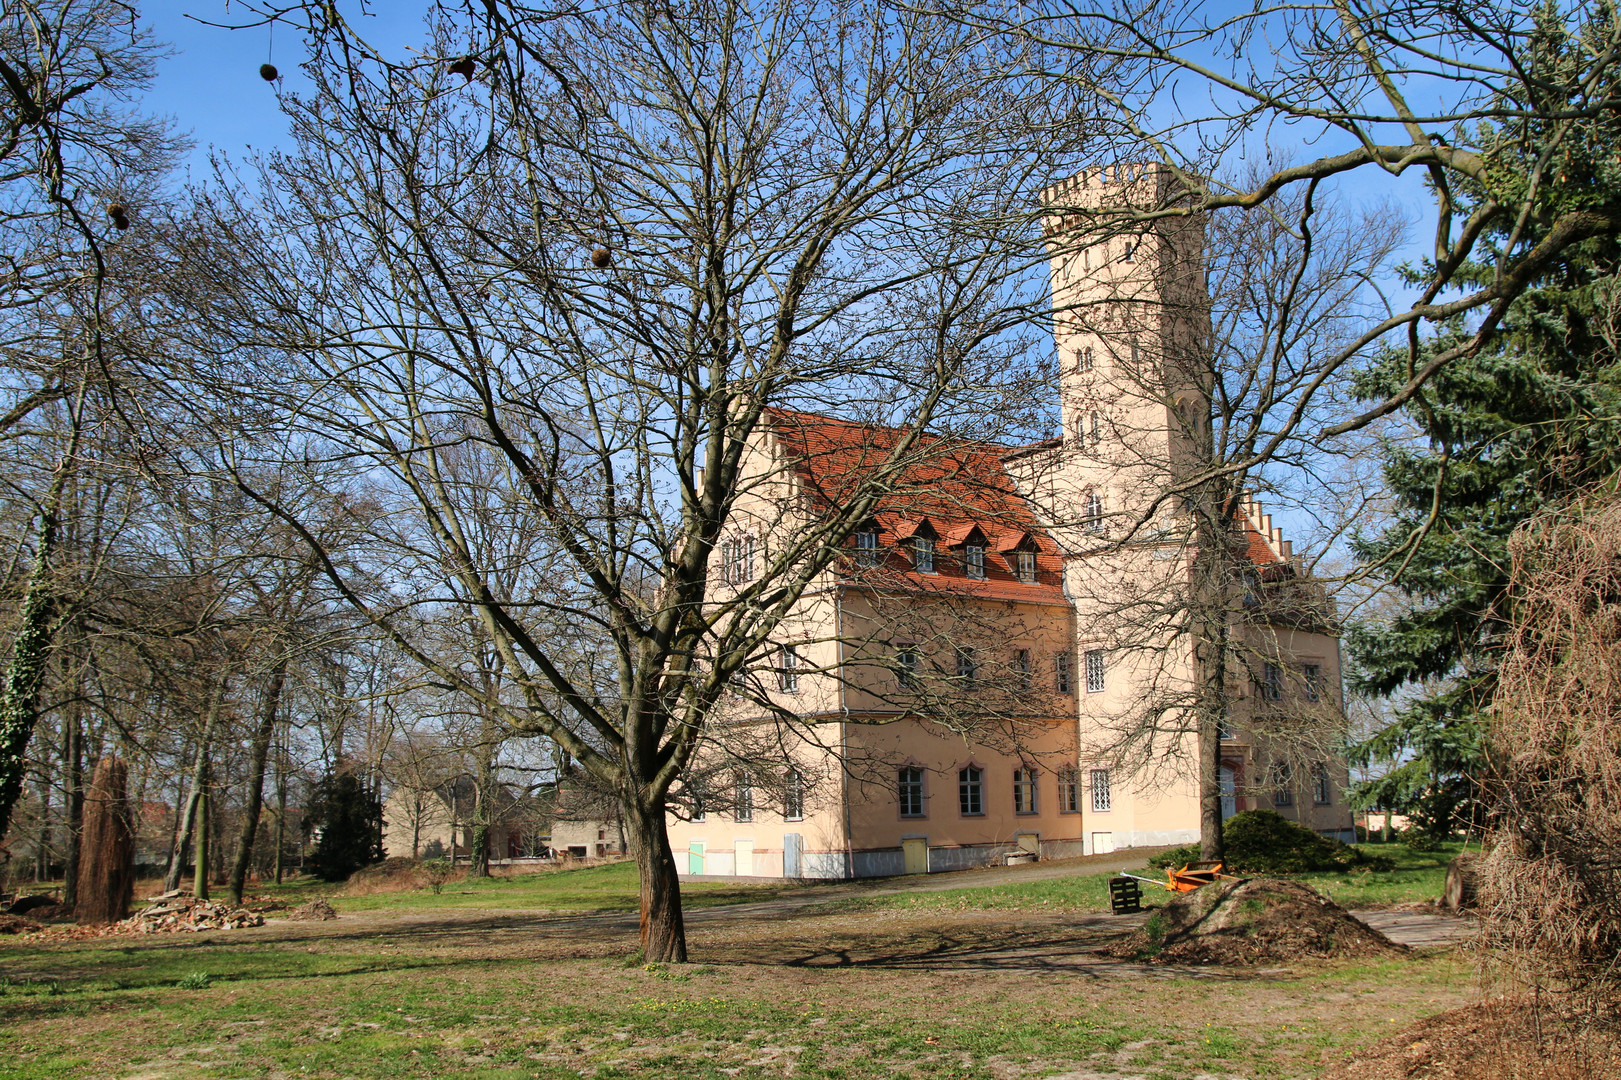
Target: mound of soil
1495	1040
316	910
1252	921
27	905
16	924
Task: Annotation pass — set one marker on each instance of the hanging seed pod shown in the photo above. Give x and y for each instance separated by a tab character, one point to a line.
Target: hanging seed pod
120	215
601	258
268	72
464	67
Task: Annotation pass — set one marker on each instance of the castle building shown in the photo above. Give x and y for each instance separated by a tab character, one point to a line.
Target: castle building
1001	662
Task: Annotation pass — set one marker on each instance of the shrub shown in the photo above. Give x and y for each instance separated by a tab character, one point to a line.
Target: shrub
1266	842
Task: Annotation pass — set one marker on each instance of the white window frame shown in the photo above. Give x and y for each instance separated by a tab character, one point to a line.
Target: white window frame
744	793
788	669
1024	791
1097	428
971	791
793	796
974	561
737	557
909	787
1085	361
923	554
867	547
906	665
1102	792
1097	671
1025	566
1093	517
1069	790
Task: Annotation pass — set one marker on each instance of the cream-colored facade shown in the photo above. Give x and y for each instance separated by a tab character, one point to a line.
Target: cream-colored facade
1053	570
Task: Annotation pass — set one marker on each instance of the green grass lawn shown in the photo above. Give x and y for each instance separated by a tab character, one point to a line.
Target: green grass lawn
1418	876
606	888
369	1003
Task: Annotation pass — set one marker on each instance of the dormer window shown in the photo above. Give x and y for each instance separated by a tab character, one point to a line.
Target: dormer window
923	554
1025	565
974	560
867	547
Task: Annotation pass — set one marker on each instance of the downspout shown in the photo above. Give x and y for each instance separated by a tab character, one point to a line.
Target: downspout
844	734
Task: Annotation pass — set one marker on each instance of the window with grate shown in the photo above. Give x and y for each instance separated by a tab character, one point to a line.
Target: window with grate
971	791
974	560
1069	791
1097	670
1024	791
1102	797
910	783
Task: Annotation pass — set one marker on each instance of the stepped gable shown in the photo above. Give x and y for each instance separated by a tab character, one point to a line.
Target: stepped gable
957	490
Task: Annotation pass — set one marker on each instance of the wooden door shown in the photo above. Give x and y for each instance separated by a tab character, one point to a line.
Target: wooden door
916	855
695	857
745	858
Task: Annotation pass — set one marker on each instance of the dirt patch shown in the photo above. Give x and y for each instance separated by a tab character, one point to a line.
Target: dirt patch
1493	1040
1252	921
16	924
316	910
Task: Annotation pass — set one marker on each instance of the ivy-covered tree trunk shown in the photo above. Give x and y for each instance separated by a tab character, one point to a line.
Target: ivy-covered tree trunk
30	651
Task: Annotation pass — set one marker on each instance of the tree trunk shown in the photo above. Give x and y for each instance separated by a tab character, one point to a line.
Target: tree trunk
281	805
184	830
199	880
483	784
664	932
73	773
1210	612
256	781
30	649
107	870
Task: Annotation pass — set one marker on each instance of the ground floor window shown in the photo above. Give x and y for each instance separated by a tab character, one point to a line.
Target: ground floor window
911	791
1320	793
1069	791
1102	797
971	791
1024	791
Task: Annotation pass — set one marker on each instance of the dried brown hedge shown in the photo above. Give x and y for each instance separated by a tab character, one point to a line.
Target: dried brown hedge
1550	882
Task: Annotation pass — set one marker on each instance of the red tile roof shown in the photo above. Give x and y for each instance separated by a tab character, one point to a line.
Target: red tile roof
951	485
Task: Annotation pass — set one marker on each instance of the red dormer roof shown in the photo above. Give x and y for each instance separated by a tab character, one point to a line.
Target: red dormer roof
956	486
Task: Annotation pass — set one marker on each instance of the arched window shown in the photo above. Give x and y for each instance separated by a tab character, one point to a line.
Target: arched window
1097	428
1093	517
1084	363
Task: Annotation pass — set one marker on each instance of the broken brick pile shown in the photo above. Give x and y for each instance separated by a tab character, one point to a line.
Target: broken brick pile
185	914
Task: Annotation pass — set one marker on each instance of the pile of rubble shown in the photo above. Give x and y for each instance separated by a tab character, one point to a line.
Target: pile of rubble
186	914
317	910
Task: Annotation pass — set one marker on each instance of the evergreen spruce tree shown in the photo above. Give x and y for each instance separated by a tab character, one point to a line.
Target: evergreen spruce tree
1510	431
349	820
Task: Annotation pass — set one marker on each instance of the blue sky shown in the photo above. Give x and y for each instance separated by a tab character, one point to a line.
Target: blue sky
211	87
